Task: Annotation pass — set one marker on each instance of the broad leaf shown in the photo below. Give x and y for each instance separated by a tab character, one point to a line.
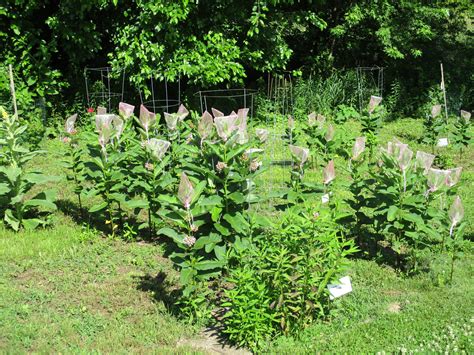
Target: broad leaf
392	213
11	172
206	241
4	189
98	207
220	252
221	229
11	220
136	204
31	223
39	178
186	275
171	234
41	203
208	265
238	223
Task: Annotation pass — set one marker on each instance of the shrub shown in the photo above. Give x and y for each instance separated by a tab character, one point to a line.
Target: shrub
107	169
324	94
73	157
29	105
345	113
280	283
321	137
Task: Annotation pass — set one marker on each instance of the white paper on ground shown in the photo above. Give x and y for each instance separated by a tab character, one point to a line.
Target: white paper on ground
442	142
325	198
343	288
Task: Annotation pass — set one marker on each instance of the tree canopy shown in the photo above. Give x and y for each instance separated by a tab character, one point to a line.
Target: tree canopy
227	41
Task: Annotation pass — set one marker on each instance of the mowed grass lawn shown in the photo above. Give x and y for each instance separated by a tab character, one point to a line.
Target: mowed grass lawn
70	289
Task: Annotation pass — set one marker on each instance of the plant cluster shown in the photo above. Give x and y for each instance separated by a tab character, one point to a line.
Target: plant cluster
210	215
404	201
371	121
320	137
194	181
345	113
455	337
325	93
462	124
279	285
434	125
299	189
21	203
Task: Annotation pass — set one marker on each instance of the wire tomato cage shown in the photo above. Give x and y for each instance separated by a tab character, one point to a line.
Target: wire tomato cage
370	81
227	100
104	86
159	95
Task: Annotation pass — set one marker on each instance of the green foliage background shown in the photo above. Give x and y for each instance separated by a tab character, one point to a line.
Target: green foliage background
226	42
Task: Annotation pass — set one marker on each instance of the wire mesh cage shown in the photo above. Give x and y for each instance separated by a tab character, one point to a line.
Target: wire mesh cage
280	94
280	91
277	119
277	95
159	95
227	100
104	86
370	81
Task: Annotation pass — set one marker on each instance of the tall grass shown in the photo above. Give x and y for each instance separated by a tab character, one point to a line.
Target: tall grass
323	95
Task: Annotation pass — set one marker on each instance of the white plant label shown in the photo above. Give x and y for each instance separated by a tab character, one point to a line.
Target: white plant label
325	198
344	287
443	142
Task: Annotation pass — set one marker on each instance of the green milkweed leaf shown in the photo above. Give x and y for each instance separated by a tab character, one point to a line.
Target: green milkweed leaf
41	203
31	223
136	204
208	265
4	189
186	275
11	220
171	233
11	172
391	213
98	207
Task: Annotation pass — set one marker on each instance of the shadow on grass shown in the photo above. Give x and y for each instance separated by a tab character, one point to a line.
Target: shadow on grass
371	247
282	162
127	227
82	216
162	290
168	293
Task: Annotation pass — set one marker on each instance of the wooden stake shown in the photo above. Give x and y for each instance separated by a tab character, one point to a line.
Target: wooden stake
12	89
443	87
